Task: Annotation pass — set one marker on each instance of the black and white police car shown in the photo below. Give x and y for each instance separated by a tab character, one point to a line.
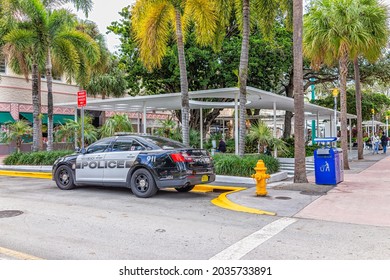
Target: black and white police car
142	163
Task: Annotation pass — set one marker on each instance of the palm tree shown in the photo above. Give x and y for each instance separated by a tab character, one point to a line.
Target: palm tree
335	30
72	128
299	118
152	23
375	18
264	14
260	132
35	19
117	123
16	131
168	127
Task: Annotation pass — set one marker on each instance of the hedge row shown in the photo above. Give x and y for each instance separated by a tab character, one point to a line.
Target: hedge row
225	164
35	158
233	165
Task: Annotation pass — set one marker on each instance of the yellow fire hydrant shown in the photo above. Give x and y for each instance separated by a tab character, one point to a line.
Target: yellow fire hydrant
260	176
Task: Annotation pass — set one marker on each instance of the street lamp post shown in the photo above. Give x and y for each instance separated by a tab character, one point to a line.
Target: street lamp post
335	93
387	126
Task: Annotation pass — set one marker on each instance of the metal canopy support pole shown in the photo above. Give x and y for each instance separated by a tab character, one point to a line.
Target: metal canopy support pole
350	135
331	126
236	123
201	128
144	118
138	122
318	134
75	133
275	150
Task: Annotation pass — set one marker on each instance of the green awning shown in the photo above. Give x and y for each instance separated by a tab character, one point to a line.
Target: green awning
6	117
29	117
57	119
61	119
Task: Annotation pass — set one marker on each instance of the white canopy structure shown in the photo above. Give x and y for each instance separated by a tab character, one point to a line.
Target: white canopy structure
256	99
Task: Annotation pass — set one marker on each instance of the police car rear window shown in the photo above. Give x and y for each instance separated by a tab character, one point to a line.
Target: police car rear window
164	143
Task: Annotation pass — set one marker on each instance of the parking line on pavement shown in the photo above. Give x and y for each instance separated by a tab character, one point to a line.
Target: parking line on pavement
247	244
224	202
40	175
17	255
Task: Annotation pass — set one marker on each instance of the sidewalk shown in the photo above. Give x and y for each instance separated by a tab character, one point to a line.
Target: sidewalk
362	198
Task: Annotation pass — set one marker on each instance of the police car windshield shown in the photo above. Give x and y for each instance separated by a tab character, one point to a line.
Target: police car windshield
164	143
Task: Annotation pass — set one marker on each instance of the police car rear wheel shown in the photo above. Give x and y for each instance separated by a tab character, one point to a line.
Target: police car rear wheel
142	183
64	178
185	188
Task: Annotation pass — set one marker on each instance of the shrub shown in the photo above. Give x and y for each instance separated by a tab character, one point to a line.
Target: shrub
233	165
35	158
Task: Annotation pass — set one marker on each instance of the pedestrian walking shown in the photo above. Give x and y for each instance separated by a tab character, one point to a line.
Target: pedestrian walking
384	140
375	142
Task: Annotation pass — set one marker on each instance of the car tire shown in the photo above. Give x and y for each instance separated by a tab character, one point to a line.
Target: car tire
142	183
186	188
64	178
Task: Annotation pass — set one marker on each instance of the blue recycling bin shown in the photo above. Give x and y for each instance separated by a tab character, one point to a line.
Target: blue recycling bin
328	162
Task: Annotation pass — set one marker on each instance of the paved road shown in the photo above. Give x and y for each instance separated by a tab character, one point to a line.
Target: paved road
109	224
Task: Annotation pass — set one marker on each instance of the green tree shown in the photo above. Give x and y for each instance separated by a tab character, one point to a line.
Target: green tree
152	24
40	35
71	128
116	123
375	18
333	31
168	128
16	131
260	132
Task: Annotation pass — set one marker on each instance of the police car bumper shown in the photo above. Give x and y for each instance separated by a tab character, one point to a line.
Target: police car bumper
188	180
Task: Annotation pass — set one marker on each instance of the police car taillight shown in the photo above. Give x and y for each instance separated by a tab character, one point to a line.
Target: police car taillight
181	157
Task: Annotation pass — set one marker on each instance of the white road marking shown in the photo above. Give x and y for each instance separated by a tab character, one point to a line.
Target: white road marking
247	244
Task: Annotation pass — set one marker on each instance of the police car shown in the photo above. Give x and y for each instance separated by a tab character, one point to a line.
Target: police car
142	163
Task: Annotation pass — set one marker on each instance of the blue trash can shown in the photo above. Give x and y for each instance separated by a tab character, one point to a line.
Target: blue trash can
328	163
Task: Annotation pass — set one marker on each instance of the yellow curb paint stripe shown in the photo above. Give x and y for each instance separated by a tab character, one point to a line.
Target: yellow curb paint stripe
17	255
40	175
223	202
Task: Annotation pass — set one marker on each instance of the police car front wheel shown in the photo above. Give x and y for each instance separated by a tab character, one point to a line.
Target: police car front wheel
64	178
142	183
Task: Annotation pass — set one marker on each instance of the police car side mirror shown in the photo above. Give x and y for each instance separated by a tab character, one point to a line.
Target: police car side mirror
77	150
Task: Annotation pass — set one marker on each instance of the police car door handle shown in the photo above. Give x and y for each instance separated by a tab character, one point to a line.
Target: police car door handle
98	157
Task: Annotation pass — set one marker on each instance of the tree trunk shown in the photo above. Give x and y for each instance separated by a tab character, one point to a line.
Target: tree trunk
185	104
358	109
343	64
49	81
243	76
36	108
288	116
299	119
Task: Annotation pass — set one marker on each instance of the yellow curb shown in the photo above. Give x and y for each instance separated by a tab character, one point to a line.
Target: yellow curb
17	255
211	188
41	175
223	202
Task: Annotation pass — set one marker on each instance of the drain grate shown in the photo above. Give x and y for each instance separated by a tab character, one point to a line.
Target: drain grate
10	213
282	197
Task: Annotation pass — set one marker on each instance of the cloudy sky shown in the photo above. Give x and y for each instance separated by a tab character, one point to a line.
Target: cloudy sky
105	12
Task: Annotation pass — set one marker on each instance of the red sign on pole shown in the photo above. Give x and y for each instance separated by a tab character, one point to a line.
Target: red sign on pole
81	98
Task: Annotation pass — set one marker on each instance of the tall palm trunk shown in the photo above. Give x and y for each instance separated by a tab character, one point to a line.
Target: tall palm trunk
36	109
185	104
358	109
243	75
49	80
343	64
299	143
